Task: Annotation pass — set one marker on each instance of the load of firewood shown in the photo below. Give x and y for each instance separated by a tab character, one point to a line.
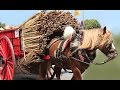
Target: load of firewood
42	27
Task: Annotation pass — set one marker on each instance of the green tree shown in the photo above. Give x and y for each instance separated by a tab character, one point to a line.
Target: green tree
2	25
91	23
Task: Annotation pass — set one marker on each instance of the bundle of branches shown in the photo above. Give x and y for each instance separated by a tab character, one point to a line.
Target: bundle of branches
28	65
40	27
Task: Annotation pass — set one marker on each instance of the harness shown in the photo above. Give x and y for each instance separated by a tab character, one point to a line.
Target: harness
59	53
63	46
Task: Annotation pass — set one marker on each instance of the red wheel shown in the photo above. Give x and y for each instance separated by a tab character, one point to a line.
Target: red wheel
7	59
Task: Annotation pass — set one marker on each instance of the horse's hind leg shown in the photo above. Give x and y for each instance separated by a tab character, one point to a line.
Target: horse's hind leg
57	71
43	69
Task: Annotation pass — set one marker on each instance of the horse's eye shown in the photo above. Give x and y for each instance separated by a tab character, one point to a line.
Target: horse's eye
108	45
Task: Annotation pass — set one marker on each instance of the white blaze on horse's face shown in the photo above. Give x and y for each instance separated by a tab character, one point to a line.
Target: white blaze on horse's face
113	46
68	32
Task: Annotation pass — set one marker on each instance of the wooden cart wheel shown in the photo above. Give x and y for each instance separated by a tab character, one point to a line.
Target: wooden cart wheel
7	59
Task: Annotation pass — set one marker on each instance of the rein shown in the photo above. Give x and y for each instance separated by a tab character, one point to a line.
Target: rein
95	63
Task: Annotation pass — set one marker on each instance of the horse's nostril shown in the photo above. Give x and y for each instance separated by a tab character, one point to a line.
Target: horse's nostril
116	54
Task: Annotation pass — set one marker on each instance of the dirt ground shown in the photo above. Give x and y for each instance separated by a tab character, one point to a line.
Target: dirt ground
64	76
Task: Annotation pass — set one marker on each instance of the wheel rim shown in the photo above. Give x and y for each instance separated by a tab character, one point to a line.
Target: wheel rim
7	59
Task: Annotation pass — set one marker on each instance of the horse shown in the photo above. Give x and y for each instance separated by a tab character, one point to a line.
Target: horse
79	59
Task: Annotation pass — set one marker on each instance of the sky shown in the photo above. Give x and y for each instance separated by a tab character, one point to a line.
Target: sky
108	18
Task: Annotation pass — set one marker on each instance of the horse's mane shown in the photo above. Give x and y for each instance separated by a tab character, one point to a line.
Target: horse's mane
93	38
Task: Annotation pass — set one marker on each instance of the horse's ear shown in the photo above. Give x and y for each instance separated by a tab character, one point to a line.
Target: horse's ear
104	30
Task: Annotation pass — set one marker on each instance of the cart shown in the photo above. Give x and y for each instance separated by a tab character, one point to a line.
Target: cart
10	50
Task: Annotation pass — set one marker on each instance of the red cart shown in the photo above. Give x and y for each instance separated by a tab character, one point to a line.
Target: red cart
10	49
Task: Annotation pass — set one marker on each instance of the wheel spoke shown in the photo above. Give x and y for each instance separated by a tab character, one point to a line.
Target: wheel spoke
8	73
10	63
3	69
1	77
1	51
9	58
10	68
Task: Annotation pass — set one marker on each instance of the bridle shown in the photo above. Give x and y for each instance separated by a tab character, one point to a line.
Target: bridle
95	63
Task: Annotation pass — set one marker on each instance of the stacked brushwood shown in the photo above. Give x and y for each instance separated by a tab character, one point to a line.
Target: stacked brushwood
38	29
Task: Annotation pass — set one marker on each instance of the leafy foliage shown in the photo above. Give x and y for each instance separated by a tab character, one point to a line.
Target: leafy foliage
91	23
2	25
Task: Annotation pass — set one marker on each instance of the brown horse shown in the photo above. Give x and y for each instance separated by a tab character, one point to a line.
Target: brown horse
79	59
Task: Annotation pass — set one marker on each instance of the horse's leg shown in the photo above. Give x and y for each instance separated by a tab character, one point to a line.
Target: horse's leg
76	72
49	70
49	73
43	69
57	71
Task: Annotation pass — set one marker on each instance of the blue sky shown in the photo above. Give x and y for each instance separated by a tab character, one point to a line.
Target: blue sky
109	18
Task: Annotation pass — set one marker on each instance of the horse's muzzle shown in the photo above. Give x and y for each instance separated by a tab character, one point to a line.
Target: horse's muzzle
113	55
